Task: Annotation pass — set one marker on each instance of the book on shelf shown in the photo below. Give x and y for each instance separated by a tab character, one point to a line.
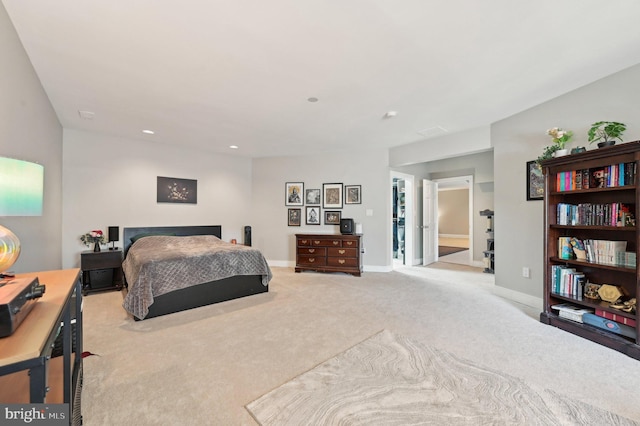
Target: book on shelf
594	214
565	250
626	258
604	251
620	174
616	317
567	281
569	311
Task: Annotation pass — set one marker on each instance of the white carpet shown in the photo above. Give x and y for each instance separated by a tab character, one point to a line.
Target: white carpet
391	380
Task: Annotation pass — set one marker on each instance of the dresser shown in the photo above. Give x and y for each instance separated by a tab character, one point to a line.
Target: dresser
329	253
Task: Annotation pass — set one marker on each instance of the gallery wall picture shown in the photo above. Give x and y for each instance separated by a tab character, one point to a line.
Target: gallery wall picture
294	191
332	217
295	217
313	215
353	194
312	197
332	195
176	190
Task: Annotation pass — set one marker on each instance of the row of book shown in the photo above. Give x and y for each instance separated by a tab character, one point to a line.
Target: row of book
600	177
605	252
567	281
593	214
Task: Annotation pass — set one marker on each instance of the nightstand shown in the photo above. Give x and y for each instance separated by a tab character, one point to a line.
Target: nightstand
101	270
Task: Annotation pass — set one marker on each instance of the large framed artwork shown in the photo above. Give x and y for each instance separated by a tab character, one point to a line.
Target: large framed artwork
332	195
535	181
353	194
294	191
175	190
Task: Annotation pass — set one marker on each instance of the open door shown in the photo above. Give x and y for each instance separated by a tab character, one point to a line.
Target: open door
429	222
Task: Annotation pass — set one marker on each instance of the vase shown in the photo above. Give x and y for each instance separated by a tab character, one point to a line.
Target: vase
606	143
96	247
561	153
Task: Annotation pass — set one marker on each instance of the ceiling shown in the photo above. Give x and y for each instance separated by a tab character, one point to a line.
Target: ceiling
209	73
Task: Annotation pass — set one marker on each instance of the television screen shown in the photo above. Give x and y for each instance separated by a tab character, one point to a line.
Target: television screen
21	187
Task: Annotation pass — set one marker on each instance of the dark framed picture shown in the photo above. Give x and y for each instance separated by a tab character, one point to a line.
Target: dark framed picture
175	190
312	197
295	217
352	194
332	195
332	217
535	181
313	215
294	191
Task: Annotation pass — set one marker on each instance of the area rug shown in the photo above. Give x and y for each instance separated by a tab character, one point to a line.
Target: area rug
391	380
445	250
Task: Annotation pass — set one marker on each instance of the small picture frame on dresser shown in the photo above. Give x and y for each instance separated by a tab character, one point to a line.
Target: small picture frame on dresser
332	217
313	215
295	216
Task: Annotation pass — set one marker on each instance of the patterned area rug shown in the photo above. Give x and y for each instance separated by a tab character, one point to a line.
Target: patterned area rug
445	250
391	380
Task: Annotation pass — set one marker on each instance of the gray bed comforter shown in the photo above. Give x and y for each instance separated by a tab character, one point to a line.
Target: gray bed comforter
157	265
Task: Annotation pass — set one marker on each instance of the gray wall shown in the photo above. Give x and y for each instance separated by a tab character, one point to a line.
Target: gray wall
521	138
29	130
453	212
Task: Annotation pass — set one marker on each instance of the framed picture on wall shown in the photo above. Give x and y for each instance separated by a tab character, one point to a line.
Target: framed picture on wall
332	195
352	194
295	216
332	217
176	190
312	197
313	215
535	181
294	191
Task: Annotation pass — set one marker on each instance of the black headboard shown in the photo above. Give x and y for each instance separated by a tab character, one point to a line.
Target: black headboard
128	233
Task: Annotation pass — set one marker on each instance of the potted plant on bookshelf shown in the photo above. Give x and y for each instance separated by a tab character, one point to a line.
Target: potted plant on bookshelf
560	139
606	132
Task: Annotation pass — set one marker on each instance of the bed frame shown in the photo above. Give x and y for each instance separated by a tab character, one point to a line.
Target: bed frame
201	294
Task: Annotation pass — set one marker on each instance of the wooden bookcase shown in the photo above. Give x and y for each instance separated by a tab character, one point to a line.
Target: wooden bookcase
556	192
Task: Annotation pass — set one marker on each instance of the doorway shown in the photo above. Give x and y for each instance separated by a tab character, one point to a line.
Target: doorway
402	213
455	220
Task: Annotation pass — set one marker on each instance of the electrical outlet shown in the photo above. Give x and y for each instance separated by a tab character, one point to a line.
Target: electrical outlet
526	272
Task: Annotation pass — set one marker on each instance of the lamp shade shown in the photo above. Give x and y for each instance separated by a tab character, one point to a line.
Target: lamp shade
9	249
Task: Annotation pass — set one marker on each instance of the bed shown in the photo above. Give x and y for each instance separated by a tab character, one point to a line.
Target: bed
173	268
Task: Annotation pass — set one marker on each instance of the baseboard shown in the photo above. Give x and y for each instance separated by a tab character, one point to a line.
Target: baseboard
516	296
452	236
292	264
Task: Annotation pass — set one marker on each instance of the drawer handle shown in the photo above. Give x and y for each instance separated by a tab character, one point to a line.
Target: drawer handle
349	243
312	250
312	259
303	241
341	251
316	242
341	261
335	243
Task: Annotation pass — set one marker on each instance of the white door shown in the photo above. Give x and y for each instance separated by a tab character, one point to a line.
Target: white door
429	222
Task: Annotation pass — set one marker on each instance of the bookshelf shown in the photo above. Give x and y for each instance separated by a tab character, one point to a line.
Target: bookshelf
592	198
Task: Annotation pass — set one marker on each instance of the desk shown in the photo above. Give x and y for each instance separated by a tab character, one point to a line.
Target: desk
29	348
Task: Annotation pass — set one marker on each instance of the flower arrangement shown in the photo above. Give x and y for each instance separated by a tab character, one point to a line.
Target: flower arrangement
559	136
93	237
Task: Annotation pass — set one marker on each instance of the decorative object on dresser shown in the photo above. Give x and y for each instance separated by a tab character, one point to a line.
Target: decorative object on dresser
173	268
590	205
101	271
95	237
329	253
347	226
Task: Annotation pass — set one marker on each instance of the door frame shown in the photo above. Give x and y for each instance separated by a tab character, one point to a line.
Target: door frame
468	179
409	216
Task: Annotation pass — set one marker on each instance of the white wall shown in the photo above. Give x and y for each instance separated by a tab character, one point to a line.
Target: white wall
29	130
521	138
453	212
368	169
110	181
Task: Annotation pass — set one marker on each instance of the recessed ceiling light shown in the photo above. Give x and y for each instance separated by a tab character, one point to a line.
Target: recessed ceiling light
149	132
390	114
312	99
233	146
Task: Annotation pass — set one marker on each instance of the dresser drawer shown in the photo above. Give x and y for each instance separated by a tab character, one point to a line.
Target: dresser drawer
342	261
342	252
316	251
350	243
328	242
312	260
304	242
